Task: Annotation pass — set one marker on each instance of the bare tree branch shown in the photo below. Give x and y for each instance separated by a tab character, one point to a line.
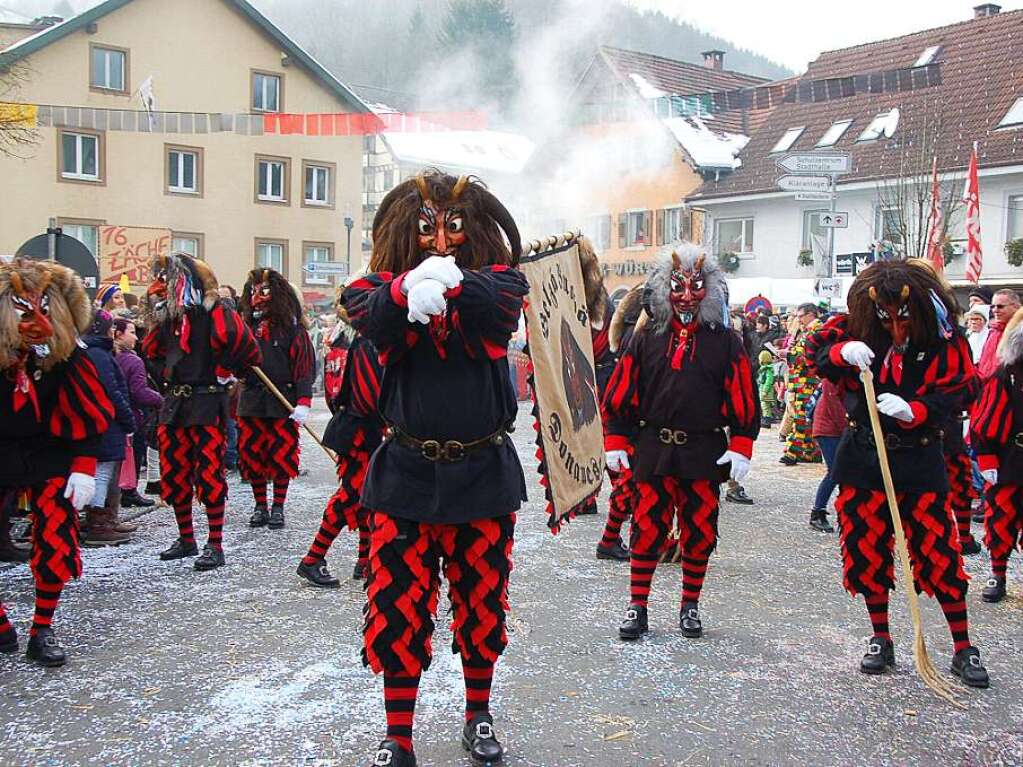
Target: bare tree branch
17	136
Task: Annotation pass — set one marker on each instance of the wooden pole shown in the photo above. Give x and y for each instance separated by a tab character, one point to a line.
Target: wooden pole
284	401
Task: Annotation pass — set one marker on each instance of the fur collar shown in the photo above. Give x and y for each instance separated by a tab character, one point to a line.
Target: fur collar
1010	348
626	315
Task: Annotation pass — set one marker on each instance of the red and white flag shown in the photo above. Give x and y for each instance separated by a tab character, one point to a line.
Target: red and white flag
974	256
935	252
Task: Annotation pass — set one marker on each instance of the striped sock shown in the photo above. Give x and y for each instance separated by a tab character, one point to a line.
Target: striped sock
400	692
877	607
329	529
693	573
613	529
998	566
478	680
7	633
641	568
183	515
363	553
47	596
963	519
280	491
215	516
958	623
259	492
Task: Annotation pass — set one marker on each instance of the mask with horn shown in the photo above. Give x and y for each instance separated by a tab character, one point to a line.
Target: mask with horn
179	283
268	297
894	316
437	214
687	288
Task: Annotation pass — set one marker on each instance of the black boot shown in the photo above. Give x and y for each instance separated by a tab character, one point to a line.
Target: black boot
994	590
318	575
359	572
968	546
260	516
132	499
616	551
819	521
635	624
44	649
738	495
880	656
153	488
967	666
390	754
210	559
179	550
479	740
689	620
10	643
276	517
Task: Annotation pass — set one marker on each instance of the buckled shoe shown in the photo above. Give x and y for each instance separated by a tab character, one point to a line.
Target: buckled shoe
479	740
880	656
44	649
260	516
318	575
210	559
616	551
967	666
179	550
390	754
635	624
276	517
689	620
994	590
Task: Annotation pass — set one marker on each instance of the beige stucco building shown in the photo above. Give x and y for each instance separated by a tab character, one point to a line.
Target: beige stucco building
230	197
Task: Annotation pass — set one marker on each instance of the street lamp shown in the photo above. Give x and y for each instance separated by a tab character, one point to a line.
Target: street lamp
349	223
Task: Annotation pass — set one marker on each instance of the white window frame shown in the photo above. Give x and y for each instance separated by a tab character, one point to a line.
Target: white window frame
748	231
260	97
634	220
177	246
314	170
269	262
106	85
806	243
77	174
899	246
671	212
1014	117
1010	208
312	279
884	125
181	154
266	176
788	139
78	229
834	133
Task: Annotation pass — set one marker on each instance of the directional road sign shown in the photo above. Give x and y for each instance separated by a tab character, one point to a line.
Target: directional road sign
815	197
835	220
805	183
326	268
816	162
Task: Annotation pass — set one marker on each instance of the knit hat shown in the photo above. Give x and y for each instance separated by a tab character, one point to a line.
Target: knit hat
106	293
981	310
102	321
984	293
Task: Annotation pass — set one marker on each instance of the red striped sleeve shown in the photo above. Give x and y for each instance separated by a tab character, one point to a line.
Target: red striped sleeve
83	408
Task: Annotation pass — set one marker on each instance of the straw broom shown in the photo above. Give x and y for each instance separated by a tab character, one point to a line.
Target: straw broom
924	666
284	401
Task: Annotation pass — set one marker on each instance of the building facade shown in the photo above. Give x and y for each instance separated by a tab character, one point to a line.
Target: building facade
234	200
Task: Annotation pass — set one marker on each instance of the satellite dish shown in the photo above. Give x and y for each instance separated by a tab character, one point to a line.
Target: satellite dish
70	252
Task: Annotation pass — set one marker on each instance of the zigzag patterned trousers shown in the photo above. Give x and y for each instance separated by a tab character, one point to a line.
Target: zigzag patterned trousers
268	448
959	469
406	560
192	457
868	542
56	557
1003	522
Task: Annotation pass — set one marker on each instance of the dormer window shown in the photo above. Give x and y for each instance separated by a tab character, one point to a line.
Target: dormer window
1014	116
786	141
927	57
834	133
883	125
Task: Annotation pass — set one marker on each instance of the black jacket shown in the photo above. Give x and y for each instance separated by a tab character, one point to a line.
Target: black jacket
355	408
101	352
289	361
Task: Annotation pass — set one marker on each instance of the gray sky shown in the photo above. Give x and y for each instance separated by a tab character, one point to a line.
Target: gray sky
794	32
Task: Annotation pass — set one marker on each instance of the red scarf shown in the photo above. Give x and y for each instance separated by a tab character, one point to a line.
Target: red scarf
24	389
684	341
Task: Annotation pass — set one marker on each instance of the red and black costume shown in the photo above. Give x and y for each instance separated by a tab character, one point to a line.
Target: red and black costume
446	483
683	397
54	411
899	324
355	431
996	433
196	344
959	468
268	442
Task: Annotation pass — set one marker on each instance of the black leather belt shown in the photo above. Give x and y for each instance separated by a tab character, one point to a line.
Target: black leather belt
678	437
892	441
449	450
189	390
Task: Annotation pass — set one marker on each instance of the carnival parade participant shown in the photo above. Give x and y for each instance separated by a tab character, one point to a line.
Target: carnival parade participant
440	307
682	382
996	433
901	326
197	344
54	410
354	432
801	384
268	441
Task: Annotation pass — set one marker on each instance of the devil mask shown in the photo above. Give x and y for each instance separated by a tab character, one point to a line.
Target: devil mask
269	298
687	289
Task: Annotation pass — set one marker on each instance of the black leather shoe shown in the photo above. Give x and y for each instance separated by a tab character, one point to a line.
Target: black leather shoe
738	495
479	740
276	518
969	546
210	559
967	666
318	575
616	552
153	488
179	550
359	572
689	620
994	590
788	460
260	516
880	656
819	521
635	624
10	642
44	649
390	754
131	499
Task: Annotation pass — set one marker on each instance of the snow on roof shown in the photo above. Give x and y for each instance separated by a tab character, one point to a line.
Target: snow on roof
484	150
709	149
646	90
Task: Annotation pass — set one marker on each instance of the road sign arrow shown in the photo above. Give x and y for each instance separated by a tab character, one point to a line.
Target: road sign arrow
805	183
814	162
325	267
835	220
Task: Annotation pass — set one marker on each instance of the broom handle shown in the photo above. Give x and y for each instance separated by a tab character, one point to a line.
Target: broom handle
284	401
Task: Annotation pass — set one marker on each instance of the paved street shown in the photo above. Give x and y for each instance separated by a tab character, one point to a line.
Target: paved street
249	666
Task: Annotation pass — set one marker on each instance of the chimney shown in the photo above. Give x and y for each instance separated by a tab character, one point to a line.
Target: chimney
46	21
986	9
714	59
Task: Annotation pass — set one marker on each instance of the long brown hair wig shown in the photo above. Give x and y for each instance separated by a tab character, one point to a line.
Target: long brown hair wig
892	284
395	226
285	309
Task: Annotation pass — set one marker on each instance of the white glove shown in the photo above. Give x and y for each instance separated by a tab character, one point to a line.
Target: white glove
740	464
79	489
617	460
895	406
299	414
226	380
426	299
858	354
439	268
990	476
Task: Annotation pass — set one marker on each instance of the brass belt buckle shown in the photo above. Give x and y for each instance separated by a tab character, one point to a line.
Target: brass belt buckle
453	451
182	390
1019	439
673	437
431	450
665	436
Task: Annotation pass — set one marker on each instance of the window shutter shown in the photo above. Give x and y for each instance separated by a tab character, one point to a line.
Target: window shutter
623	229
648	227
660	226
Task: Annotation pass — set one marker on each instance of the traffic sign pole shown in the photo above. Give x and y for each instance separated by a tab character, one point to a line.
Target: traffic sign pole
829	267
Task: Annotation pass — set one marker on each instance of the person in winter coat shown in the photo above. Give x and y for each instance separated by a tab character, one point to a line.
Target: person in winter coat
828	425
765	385
142	396
100	518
